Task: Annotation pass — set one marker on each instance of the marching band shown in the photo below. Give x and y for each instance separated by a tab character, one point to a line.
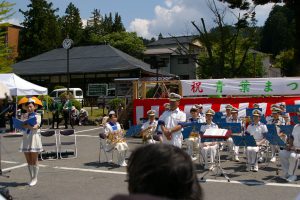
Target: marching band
170	125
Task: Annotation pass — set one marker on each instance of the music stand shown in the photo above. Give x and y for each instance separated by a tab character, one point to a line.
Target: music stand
1	172
275	140
216	138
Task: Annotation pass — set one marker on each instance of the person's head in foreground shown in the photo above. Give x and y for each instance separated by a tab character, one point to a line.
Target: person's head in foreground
162	170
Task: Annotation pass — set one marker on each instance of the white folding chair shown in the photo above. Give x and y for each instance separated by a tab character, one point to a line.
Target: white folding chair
67	138
50	144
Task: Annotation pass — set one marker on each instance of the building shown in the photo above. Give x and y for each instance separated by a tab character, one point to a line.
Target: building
88	65
175	55
12	38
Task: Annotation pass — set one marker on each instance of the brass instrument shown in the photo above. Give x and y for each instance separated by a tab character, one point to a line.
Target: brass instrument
193	133
116	137
148	133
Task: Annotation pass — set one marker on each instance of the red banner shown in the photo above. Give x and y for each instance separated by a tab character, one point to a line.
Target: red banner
141	106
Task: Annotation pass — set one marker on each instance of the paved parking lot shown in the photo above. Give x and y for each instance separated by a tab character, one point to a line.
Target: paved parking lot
85	178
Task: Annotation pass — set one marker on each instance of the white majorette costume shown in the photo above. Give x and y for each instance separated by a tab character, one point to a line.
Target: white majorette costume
149	127
258	131
171	119
209	148
192	142
31	138
234	150
289	157
115	140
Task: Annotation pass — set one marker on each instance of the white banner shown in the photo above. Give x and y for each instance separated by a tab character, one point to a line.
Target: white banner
242	86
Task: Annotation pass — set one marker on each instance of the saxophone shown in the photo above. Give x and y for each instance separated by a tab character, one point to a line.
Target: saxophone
116	137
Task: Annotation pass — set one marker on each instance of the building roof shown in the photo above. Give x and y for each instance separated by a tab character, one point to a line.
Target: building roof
172	40
88	59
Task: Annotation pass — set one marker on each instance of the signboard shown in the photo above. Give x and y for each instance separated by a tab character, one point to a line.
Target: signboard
97	89
242	86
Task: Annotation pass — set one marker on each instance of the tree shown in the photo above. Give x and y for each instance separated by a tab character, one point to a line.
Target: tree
293	5
127	42
41	30
118	25
72	24
278	32
6	58
227	47
284	61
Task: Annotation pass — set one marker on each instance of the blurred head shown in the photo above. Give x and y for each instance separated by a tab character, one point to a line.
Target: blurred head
30	107
174	101
113	118
194	112
162	170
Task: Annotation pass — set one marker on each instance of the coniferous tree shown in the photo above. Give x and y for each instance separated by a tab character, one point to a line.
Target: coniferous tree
72	24
41	30
118	25
6	58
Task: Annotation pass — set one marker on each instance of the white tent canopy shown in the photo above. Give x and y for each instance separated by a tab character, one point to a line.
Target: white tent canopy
20	87
4	91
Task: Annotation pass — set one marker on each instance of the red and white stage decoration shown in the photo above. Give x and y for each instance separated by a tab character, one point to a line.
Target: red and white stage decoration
141	106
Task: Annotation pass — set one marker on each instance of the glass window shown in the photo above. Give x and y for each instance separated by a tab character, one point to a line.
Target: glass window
78	93
183	61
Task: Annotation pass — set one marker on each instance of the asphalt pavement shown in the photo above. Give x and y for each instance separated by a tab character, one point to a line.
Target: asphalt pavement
85	178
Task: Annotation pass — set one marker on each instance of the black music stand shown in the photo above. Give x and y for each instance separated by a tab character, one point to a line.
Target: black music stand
1	172
218	168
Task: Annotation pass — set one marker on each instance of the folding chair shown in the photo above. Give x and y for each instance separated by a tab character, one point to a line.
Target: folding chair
50	143
67	138
102	146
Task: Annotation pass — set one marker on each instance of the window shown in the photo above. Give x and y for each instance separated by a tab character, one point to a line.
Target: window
78	93
183	61
184	77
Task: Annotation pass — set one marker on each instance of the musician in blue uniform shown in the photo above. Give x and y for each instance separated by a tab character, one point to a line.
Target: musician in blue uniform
209	148
258	131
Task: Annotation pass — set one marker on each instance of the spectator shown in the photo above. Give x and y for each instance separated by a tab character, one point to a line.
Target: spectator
11	112
83	117
2	116
162	170
74	116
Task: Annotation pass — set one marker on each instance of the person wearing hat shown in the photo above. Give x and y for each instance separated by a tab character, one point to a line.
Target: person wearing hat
227	116
258	130
149	127
166	106
115	138
290	156
31	143
200	113
255	105
277	120
209	148
170	122
192	141
234	150
287	119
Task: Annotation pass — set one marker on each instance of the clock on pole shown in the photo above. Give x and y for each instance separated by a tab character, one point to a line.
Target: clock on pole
67	43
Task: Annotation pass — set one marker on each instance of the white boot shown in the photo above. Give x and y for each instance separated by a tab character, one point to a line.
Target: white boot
30	169
121	159
35	173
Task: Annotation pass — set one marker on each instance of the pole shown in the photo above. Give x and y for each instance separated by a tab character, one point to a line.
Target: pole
68	72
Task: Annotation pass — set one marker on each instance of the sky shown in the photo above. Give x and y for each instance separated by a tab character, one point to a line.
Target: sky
148	18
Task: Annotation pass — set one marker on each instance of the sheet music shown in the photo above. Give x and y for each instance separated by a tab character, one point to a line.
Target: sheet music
215	132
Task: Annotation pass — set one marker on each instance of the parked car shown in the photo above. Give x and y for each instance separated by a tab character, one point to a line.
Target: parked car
76	92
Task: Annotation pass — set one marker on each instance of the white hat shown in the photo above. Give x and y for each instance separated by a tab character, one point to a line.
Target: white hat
228	106
166	105
111	112
210	112
256	112
151	112
174	97
234	110
276	110
193	108
198	106
73	108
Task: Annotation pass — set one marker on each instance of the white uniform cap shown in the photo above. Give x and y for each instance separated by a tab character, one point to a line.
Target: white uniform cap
234	110
151	112
111	112
174	97
210	112
256	112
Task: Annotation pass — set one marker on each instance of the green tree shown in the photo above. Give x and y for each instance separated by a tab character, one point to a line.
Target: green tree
72	24
292	4
278	31
6	59
41	30
107	24
284	61
118	25
127	42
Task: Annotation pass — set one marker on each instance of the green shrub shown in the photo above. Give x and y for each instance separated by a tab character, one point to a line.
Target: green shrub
115	103
76	103
58	87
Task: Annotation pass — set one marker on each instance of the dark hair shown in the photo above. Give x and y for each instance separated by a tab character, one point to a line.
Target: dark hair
111	115
30	102
162	170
